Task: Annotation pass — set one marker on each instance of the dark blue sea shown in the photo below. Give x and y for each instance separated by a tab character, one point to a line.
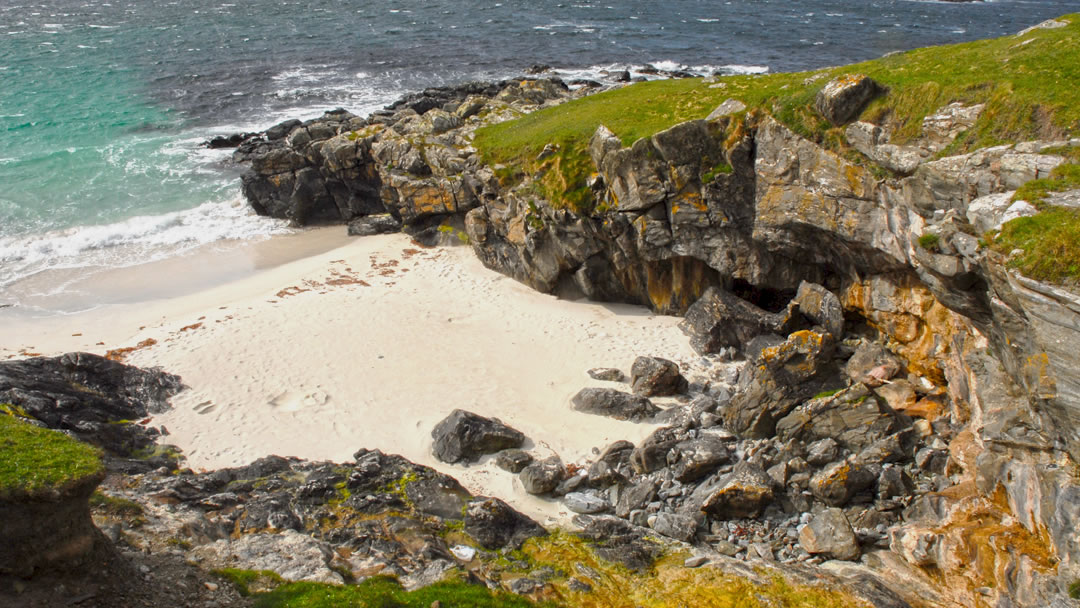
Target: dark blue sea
103	104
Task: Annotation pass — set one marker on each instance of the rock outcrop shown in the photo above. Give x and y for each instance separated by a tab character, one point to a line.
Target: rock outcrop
945	380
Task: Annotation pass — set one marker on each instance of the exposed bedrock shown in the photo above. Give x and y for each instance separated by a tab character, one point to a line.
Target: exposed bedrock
793	256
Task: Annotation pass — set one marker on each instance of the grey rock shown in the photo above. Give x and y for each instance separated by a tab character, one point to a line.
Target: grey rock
464	436
720	319
635	497
742	493
495	525
513	460
697	458
839	482
821	306
729	107
829	533
779	378
614	403
854	417
542	476
894	482
370	225
610	466
672	525
607	374
844	98
580	502
873	364
653	376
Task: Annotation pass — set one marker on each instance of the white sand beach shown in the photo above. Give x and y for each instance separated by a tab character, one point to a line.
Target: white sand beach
368	344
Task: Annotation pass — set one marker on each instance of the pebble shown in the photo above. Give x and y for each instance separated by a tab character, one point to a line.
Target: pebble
696	561
211	586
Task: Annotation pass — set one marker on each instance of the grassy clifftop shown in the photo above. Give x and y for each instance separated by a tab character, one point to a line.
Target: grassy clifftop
34	460
1029	83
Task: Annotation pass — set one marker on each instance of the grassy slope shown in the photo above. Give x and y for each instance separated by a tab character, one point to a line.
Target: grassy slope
564	556
33	459
1030	83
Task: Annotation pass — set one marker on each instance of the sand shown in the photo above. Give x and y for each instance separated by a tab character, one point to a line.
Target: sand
367	344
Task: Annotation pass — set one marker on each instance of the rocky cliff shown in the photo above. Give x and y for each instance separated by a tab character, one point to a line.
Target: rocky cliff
736	220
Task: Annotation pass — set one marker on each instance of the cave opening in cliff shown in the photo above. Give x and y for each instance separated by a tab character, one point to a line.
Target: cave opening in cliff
766	298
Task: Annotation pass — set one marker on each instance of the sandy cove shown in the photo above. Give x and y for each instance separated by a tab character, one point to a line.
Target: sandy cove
370	344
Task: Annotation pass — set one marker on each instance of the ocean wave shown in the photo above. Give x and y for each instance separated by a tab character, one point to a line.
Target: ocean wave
132	241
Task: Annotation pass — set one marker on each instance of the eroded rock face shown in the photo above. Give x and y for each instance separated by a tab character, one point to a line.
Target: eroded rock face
51	530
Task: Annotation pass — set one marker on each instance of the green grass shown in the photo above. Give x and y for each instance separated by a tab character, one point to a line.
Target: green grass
386	592
1074	590
250	581
34	460
1064	177
1050	245
1027	83
930	241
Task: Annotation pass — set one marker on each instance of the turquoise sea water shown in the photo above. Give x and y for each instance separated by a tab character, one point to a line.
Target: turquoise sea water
103	104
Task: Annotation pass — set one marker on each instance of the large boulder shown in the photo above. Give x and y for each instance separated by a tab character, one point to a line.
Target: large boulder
843	98
494	524
742	493
464	437
656	377
829	534
614	403
820	306
873	365
719	319
697	458
777	379
542	476
839	482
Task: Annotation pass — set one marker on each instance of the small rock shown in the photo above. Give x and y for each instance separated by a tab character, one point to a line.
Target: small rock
672	525
580	502
210	586
843	98
513	460
543	476
463	552
695	562
607	374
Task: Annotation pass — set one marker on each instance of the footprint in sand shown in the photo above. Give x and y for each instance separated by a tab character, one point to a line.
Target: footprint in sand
298	399
205	407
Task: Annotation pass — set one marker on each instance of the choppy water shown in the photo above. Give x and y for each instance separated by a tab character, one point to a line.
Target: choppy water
103	103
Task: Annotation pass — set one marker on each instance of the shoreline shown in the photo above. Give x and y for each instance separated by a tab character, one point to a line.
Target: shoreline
368	344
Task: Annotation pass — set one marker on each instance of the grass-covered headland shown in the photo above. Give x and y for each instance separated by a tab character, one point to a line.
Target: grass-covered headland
1030	84
35	461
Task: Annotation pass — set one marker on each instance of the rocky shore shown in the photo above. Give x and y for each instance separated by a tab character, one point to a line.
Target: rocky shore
882	404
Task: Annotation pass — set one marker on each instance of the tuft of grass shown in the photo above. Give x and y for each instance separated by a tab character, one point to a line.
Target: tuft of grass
930	241
824	394
386	592
1027	83
251	581
719	169
1049	244
115	506
34	460
1074	590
